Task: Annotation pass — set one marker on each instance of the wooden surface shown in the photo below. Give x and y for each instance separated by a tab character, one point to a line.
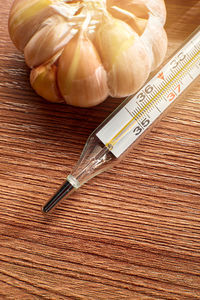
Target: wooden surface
131	233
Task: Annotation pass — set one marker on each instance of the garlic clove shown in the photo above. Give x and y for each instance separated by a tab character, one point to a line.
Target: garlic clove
112	37
141	8
138	24
43	79
81	77
130	71
155	41
124	57
137	7
157	8
54	34
150	28
26	17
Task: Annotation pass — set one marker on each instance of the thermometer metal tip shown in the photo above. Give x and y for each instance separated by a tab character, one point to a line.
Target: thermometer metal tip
61	193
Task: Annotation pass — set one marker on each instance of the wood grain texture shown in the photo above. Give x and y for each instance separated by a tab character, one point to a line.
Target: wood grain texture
132	232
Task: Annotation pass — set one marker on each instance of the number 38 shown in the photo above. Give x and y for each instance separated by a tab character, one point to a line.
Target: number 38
174	63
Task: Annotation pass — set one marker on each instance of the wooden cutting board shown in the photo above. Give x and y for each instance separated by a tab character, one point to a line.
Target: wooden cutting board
130	233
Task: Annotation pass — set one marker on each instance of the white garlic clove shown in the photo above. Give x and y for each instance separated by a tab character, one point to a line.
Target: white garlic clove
124	57
43	79
54	34
26	17
138	24
137	7
155	41
81	77
141	8
112	37
25	14
130	71
157	8
150	28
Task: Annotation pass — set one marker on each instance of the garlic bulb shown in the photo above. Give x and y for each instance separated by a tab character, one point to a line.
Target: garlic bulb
82	51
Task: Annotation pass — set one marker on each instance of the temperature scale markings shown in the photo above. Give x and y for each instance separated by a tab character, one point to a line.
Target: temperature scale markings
141	112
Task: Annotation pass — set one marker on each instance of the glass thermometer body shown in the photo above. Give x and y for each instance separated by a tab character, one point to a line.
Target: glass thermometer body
134	118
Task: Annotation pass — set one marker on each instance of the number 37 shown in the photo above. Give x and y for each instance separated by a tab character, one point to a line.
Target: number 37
171	96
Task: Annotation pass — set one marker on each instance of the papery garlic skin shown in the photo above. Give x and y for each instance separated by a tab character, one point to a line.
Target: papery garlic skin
83	51
53	35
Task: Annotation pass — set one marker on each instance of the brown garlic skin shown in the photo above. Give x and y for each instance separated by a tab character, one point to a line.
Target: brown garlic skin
80	52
